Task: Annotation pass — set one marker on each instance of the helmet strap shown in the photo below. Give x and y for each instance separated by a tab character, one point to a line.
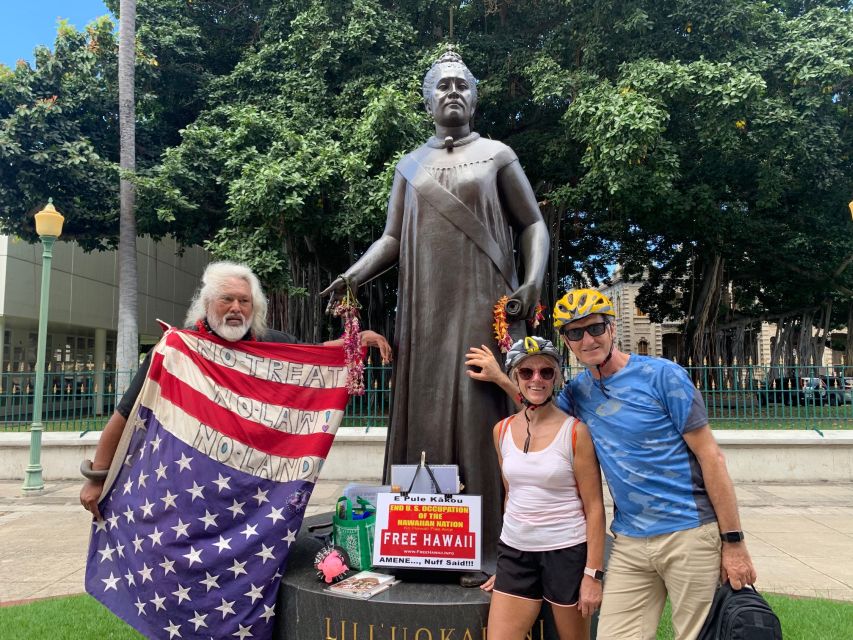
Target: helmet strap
527	439
532	406
603	363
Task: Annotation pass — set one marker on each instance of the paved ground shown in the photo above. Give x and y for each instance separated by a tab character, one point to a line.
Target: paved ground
800	536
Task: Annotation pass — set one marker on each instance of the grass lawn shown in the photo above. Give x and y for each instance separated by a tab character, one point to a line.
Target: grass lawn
77	617
780	416
77	424
789	424
801	618
71	618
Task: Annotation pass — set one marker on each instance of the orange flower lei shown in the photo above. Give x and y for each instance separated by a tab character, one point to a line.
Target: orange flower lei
501	325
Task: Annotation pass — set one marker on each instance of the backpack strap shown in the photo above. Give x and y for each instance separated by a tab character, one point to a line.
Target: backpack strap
504	429
574	436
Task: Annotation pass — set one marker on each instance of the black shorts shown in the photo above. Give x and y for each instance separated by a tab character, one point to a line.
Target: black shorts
554	575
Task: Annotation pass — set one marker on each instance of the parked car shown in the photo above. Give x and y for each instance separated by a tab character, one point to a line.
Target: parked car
779	391
816	391
838	390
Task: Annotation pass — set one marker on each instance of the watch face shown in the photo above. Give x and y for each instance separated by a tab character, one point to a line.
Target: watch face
732	536
598	574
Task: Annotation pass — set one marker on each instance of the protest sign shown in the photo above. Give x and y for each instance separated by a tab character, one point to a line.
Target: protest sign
429	531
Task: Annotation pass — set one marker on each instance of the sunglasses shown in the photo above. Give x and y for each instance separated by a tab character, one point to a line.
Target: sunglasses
546	373
576	333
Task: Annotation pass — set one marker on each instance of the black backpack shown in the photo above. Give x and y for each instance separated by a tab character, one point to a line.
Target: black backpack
740	615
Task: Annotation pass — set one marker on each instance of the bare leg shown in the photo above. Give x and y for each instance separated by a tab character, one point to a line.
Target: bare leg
510	618
571	625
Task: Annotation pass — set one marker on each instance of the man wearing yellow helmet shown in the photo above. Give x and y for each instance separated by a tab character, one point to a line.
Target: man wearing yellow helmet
676	526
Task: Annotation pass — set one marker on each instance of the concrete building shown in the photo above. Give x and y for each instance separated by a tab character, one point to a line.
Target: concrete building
83	311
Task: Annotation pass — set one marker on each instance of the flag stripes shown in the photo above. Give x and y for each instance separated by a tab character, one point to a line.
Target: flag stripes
211	483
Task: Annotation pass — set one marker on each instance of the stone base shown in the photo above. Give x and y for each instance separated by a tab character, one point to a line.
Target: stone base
425	606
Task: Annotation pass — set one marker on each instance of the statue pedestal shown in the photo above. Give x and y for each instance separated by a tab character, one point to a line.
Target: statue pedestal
436	608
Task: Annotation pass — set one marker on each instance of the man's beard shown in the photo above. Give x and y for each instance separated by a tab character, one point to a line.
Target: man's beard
232	333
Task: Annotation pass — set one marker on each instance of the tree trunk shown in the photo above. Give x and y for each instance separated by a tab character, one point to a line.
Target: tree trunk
819	340
782	355
811	344
705	304
848	351
127	342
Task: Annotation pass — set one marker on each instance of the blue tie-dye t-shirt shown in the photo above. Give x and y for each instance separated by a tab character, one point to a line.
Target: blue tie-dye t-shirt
637	430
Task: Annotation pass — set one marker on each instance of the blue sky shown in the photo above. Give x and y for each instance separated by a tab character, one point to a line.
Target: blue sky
25	24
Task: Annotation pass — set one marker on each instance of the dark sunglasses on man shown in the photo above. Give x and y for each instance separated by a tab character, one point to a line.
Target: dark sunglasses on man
576	333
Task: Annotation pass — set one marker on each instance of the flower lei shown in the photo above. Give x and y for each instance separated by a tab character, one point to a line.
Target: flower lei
347	309
538	315
501	324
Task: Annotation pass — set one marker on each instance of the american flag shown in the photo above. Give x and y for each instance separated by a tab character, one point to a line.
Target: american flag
210	483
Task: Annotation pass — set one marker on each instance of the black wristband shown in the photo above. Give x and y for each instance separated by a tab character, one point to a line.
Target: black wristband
732	536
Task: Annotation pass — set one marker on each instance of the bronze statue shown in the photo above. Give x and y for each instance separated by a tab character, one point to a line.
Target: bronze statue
456	205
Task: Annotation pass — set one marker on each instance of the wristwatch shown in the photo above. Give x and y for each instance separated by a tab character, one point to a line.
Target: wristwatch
731	536
596	574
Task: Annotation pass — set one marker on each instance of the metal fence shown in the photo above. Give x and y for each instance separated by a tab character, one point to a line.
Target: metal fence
73	400
747	397
760	397
84	400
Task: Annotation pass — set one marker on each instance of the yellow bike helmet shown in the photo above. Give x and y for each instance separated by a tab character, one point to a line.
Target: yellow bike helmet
580	303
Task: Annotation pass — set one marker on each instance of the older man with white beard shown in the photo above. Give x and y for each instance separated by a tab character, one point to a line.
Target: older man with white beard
229	304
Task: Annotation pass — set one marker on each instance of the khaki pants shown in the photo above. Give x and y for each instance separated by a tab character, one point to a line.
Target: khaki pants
642	571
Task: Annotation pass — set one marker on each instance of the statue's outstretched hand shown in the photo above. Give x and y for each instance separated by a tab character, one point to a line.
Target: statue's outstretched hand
527	296
337	290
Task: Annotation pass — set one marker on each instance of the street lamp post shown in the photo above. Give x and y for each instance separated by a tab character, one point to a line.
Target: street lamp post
49	228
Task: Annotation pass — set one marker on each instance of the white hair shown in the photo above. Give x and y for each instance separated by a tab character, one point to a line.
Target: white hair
212	282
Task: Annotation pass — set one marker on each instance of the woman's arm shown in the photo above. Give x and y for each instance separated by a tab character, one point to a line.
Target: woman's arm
588	477
489	584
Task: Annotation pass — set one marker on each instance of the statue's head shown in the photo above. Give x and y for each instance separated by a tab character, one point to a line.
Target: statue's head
448	77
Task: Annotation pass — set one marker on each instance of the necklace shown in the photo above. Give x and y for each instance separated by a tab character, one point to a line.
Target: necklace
449	143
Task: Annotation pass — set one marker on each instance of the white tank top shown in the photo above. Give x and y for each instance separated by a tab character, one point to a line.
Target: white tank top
543	509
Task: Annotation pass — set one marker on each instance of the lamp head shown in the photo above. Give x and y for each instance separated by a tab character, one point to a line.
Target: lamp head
49	221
